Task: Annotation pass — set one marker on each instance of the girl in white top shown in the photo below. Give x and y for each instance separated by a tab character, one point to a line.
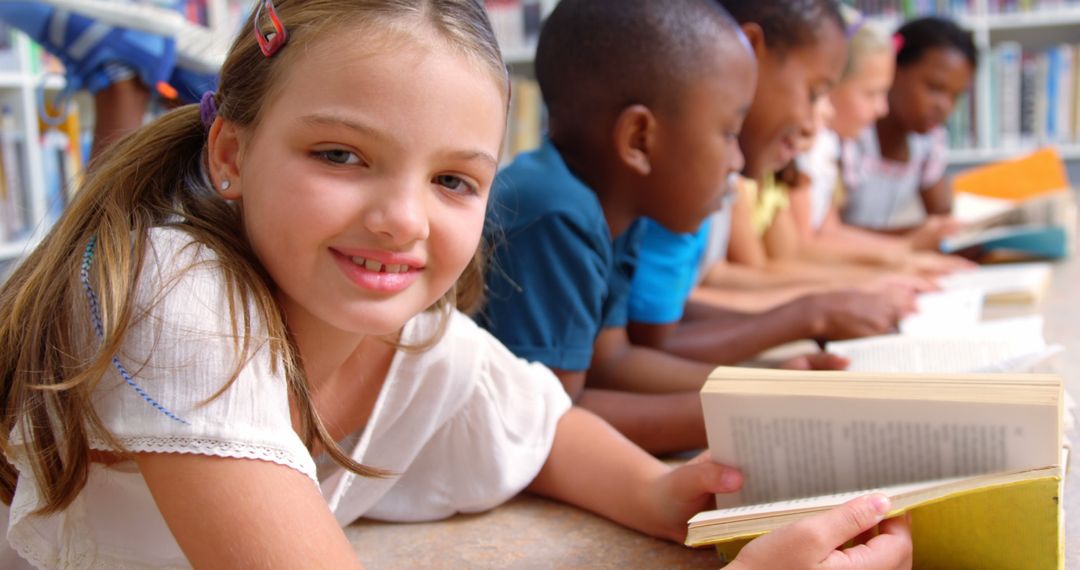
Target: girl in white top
242	284
858	100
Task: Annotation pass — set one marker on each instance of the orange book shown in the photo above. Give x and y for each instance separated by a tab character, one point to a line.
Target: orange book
1039	173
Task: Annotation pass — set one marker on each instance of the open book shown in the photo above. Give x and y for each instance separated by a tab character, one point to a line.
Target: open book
1018	283
975	458
953	310
1004	345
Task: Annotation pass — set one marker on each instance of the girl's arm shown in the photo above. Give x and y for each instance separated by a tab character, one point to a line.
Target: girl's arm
243	513
937	198
744	246
593	467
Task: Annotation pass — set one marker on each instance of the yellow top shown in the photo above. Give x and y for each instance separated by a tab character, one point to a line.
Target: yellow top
770	200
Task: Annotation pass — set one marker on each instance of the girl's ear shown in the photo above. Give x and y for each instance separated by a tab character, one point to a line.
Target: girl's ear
223	158
635	138
756	36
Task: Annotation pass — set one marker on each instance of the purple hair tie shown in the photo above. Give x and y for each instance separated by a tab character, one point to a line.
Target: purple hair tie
208	109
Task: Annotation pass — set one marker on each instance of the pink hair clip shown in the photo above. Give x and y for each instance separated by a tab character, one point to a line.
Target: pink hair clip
272	42
897	42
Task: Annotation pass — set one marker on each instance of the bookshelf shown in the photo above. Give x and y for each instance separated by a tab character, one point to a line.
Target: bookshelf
1025	46
24	198
1035	27
39	167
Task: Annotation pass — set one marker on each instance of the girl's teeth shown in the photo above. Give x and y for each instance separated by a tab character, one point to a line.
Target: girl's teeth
377	267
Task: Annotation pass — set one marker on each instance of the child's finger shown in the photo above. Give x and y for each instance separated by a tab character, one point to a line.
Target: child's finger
835	527
890	549
699	477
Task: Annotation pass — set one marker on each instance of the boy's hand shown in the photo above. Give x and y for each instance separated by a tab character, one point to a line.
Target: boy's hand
685	491
816	361
814	542
843	315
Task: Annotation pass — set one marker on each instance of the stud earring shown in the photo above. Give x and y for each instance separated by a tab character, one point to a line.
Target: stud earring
225	185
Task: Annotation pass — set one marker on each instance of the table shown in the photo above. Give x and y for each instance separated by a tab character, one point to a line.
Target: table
530	532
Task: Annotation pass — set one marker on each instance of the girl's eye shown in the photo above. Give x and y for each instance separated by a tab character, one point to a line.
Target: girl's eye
455	184
343	157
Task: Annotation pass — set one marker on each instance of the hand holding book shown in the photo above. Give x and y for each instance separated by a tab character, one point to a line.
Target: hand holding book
816	542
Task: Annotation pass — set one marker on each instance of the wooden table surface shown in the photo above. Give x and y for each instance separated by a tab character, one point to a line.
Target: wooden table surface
529	532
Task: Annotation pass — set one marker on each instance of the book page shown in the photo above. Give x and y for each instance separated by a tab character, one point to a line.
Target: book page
944	311
1029	278
971	209
974	348
791	447
818	502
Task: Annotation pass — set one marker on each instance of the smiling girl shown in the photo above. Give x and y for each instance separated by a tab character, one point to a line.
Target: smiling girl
900	165
244	333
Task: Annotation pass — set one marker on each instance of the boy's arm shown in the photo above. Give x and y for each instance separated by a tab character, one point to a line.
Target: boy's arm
719	336
244	513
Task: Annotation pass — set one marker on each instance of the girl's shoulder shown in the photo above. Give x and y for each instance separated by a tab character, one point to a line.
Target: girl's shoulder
463	358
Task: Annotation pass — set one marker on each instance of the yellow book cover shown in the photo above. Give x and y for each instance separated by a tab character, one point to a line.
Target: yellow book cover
1015	525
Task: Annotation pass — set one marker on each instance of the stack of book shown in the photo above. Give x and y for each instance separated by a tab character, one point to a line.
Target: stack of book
1016	210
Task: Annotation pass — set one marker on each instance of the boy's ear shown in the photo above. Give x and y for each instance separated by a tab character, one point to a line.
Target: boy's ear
756	36
635	138
223	154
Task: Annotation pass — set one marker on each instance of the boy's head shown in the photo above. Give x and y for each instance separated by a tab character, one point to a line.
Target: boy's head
649	97
934	66
801	49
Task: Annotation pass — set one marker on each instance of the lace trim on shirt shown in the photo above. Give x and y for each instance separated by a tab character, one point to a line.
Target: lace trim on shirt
43	554
215	447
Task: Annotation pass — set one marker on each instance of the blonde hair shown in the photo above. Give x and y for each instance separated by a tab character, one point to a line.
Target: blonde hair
156	177
866	38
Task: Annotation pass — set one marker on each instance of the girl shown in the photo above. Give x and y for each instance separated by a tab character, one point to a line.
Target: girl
890	169
813	230
807	64
244	333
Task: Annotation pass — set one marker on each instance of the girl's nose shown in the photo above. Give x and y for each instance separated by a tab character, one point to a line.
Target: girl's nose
399	213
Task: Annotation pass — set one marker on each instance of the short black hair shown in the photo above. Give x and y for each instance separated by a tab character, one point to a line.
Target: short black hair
597	57
787	23
929	33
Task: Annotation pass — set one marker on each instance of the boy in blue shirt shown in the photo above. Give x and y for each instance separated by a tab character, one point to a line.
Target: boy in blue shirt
645	102
800	49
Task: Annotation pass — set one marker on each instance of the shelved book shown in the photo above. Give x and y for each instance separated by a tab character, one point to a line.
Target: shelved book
976	459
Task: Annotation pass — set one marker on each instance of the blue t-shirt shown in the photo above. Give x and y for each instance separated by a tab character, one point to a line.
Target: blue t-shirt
670	265
667	272
556	278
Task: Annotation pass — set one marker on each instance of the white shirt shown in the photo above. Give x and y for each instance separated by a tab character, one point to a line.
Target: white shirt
883	193
467	424
822	165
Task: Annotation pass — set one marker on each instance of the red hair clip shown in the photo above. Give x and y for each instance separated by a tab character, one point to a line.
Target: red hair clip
897	42
272	42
